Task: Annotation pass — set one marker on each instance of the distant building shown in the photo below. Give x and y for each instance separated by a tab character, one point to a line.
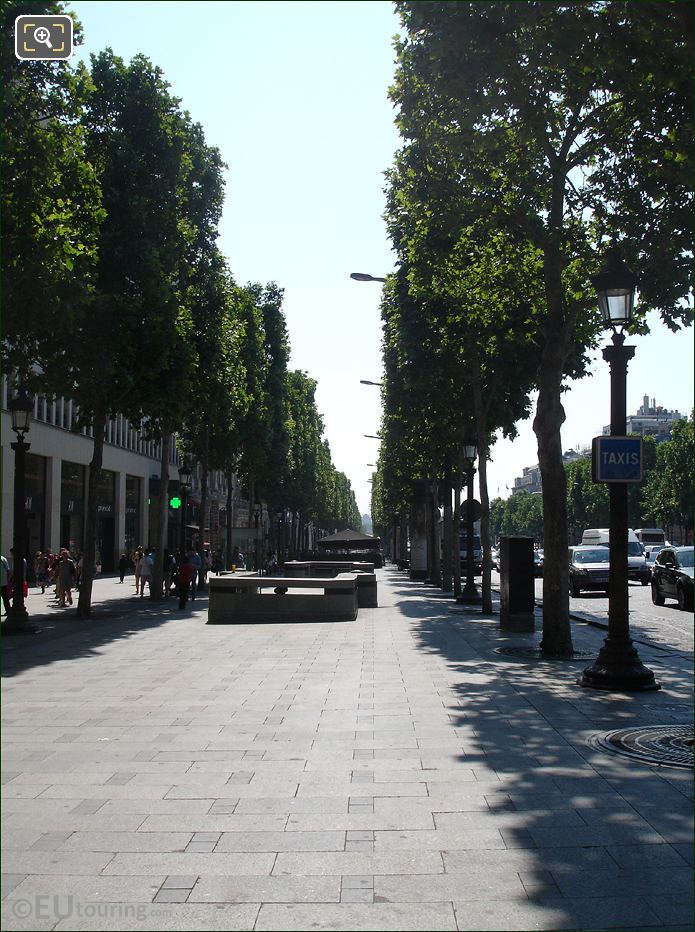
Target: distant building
651	420
530	479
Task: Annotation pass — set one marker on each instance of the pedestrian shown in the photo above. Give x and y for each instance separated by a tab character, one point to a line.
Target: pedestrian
216	563
123	566
13	570
139	554
196	563
79	563
236	558
169	567
4	579
145	567
41	570
186	572
66	574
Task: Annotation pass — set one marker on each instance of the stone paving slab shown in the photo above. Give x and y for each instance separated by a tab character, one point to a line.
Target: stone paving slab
388	773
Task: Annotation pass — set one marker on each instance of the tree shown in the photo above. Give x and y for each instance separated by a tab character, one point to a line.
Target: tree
51	207
667	497
135	325
534	100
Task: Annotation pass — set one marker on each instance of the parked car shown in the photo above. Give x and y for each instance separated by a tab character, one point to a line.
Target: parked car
637	566
537	562
672	577
651	551
495	558
588	569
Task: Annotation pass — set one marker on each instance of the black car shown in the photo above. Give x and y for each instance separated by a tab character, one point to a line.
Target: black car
588	569
672	577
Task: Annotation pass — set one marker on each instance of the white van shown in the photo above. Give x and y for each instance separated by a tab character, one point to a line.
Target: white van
650	535
637	565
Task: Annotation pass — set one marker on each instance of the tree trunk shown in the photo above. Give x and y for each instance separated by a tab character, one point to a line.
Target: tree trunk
84	603
550	415
436	576
403	536
252	495
204	477
230	522
157	582
485	528
456	529
448	529
481	431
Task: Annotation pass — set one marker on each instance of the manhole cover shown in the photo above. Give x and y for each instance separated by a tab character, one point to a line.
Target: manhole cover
668	745
526	652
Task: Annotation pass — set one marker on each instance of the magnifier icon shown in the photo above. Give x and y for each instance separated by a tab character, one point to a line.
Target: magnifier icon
43	35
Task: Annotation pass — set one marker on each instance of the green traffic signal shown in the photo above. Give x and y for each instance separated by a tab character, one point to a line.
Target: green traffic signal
175	502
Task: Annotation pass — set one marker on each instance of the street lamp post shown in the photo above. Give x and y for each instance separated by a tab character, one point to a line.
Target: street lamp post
17	621
469	593
185	487
367	382
618	666
365	277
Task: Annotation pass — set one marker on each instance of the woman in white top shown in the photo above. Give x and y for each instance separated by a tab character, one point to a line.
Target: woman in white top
144	570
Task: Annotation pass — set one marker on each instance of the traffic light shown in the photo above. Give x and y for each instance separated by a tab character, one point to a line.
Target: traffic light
174	502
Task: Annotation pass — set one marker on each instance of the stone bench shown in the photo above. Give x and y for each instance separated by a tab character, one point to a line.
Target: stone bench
321	569
247	599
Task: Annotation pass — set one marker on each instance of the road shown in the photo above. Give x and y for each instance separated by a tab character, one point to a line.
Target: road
665	625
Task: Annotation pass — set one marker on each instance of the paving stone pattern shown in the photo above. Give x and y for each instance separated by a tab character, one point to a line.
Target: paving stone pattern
392	773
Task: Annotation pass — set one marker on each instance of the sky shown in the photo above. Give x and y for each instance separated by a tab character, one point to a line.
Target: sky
294	94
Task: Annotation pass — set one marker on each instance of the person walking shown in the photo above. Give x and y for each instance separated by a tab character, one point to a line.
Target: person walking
41	570
145	566
169	567
79	563
123	566
139	554
66	577
4	579
196	563
186	573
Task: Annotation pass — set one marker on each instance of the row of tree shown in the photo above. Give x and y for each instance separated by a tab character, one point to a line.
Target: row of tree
664	498
116	293
534	135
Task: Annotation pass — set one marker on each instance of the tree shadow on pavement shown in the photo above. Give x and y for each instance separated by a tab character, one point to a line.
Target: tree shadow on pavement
571	836
63	636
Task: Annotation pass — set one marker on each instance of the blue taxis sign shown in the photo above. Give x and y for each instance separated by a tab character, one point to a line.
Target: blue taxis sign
616	459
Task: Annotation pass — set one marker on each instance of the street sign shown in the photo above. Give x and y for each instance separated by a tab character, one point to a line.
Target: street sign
616	459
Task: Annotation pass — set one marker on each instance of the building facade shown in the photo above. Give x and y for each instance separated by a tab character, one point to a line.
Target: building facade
56	482
650	420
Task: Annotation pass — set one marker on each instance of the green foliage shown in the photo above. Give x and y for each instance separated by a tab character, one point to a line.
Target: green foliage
51	204
534	132
664	498
667	497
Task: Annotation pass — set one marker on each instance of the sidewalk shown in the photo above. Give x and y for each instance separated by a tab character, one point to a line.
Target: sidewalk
393	773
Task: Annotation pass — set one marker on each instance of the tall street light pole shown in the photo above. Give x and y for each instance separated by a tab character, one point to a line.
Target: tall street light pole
469	593
17	621
185	486
618	666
